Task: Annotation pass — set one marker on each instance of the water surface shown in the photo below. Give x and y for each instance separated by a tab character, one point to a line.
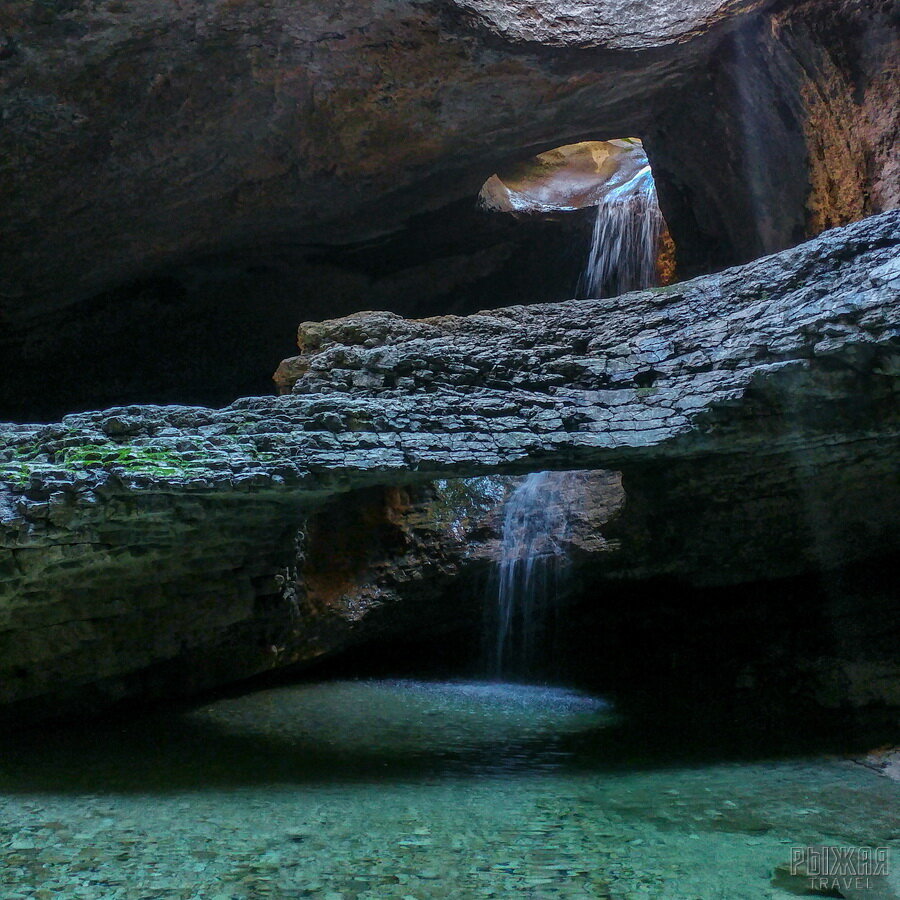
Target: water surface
411	789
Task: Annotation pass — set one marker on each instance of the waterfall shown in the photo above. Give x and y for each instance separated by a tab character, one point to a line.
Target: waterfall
529	570
625	240
536	515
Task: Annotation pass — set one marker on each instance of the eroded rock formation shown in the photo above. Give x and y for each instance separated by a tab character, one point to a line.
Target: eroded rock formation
804	133
744	409
609	23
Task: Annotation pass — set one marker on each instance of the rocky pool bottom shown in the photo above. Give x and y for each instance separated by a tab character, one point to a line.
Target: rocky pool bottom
413	789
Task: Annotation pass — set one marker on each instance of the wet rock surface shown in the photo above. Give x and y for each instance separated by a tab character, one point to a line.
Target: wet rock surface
743	410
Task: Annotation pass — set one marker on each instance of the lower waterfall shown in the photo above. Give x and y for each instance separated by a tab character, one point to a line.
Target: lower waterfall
529	571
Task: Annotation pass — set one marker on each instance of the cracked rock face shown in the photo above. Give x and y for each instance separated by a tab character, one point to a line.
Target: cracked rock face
752	415
618	24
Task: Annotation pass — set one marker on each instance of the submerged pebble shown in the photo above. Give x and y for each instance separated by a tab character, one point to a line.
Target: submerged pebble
490	790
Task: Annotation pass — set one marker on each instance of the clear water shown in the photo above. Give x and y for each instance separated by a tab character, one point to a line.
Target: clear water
528	572
625	239
406	789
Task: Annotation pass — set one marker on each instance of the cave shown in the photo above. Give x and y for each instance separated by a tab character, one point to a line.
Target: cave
449	450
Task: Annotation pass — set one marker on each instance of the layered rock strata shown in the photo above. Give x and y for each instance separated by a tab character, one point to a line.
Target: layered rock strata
752	413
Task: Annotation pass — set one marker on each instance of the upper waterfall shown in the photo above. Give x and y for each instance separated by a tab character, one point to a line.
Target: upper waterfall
625	241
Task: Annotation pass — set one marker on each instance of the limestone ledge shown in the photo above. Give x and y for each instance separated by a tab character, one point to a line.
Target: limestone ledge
156	550
583	384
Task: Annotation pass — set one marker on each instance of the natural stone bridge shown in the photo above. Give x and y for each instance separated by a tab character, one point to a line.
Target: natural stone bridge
134	539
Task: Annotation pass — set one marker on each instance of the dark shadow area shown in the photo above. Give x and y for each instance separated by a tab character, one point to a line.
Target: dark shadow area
695	677
214	329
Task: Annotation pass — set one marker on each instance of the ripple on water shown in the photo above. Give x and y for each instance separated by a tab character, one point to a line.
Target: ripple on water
429	728
409	715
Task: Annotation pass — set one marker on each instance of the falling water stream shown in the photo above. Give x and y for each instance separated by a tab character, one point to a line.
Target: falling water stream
625	240
536	517
529	570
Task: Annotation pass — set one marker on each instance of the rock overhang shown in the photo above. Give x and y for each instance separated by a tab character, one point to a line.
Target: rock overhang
611	24
154	550
587	382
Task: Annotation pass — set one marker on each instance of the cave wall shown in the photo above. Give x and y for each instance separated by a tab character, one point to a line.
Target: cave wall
181	591
180	186
791	128
212	598
147	135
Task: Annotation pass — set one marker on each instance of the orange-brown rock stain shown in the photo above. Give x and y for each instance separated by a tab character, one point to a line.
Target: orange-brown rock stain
359	535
